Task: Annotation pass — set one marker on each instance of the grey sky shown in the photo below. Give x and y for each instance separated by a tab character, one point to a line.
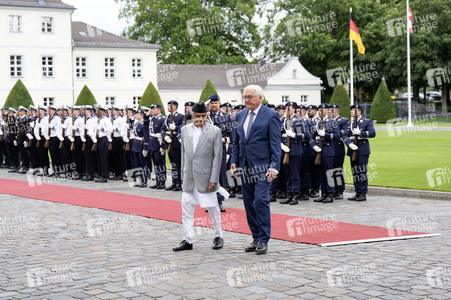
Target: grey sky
99	13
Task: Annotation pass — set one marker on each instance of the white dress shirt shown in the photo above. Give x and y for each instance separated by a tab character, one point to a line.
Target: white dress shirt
246	121
79	124
55	124
106	128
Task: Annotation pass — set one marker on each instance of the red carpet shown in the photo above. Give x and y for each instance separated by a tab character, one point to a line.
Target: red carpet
284	227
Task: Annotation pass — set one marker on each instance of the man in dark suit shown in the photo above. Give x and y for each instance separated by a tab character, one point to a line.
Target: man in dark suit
256	158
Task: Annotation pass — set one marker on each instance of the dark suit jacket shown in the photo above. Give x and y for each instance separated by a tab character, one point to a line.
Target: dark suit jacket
261	149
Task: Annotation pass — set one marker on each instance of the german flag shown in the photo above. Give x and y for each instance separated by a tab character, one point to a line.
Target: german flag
355	35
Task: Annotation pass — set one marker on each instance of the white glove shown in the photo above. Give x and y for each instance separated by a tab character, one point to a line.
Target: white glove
353	146
71	139
50	126
291	133
94	140
25	144
172	126
285	148
64	126
317	149
15	143
162	151
29	136
99	127
46	137
284	135
167	139
38	138
321	132
125	139
32	124
226	140
145	152
82	138
1	132
60	137
109	138
160	139
356	131
149	113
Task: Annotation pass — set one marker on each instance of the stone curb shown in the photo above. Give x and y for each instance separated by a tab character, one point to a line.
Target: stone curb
404	193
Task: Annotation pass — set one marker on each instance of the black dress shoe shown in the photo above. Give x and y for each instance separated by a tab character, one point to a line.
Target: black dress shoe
361	197
88	178
102	180
288	200
353	197
171	187
320	199
142	184
77	177
116	177
328	199
161	186
221	207
261	248
232	194
184	245
314	194
251	247
218	243
154	186
23	172
178	187
14	171
338	195
304	197
294	201
272	196
281	195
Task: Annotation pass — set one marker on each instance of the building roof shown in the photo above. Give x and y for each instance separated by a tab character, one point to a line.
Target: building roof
85	35
222	76
37	3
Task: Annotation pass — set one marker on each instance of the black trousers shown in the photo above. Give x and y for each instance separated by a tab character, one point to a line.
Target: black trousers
338	164
13	154
43	155
90	157
175	157
326	165
102	155
24	158
118	159
55	154
78	156
159	163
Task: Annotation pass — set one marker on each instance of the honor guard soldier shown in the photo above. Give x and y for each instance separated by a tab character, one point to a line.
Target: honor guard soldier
119	138
55	139
10	141
130	162
342	124
153	123
4	160
292	154
78	132
170	128
224	123
22	141
90	155
356	138
325	133
32	142
104	129
137	149
41	134
310	173
278	186
66	153
188	106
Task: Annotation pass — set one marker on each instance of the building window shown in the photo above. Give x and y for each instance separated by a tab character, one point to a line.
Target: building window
81	70
285	99
47	25
109	67
47	66
49	101
136	68
136	101
109	100
15	24
304	98
295	74
15	64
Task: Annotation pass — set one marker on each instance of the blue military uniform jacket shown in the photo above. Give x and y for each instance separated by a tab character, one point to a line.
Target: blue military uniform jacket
179	121
342	124
295	143
332	133
152	126
138	145
366	131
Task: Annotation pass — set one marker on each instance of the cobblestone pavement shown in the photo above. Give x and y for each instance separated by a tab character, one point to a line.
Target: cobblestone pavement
58	251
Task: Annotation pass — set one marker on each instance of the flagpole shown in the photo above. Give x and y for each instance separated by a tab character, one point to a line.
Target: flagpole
409	97
351	79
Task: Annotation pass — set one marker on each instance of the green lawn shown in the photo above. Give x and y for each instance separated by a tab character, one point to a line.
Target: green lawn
402	161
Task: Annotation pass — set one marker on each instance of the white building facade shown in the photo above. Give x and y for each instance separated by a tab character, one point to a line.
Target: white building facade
56	57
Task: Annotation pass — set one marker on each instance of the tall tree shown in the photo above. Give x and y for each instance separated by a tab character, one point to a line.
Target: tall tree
85	97
151	96
195	32
18	95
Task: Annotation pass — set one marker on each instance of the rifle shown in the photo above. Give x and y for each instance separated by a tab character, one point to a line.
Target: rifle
356	138
110	145
321	139
38	144
47	142
286	158
85	132
171	132
127	146
94	147
72	146
64	132
30	144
